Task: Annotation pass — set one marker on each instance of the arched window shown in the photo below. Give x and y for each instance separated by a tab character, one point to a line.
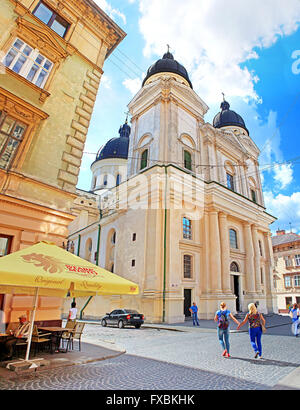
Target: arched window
187	228
233	239
144	159
105	180
118	181
187	266
187	160
234	267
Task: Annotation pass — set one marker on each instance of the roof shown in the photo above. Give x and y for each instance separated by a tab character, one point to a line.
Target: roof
228	117
286	238
168	64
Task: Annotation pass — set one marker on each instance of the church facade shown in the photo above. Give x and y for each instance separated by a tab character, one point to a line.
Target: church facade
181	207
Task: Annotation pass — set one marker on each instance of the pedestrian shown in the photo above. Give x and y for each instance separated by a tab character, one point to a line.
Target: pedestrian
222	317
21	332
256	325
294	314
72	312
194	310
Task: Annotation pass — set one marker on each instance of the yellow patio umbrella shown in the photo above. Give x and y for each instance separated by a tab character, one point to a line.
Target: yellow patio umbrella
45	269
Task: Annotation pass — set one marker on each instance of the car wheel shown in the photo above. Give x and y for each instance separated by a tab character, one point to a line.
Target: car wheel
103	323
121	324
137	326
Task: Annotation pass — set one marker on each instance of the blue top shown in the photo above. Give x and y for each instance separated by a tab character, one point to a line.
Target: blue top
194	309
295	314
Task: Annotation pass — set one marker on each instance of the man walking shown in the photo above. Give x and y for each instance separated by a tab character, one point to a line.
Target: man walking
194	311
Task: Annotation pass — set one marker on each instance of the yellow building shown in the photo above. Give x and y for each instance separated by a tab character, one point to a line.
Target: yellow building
182	207
286	249
51	55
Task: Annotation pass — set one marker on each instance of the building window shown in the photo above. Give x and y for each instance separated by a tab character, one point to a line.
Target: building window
261	276
288	261
253	195
113	238
51	19
233	239
297	260
234	267
28	62
118	181
260	248
287	281
105	180
187	228
187	266
133	263
187	160
297	280
134	237
144	159
230	181
5	245
11	136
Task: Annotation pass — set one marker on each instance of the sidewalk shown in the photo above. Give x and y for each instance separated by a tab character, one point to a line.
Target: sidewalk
89	353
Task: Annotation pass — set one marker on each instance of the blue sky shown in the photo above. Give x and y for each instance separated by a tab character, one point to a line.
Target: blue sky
248	50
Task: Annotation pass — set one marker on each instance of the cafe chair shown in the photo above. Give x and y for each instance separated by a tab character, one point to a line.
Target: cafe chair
75	334
40	339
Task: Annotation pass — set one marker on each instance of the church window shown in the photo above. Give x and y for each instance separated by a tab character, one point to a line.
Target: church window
51	19
187	160
105	180
11	136
113	238
253	195
187	266
260	248
28	62
234	267
233	239
230	181
134	237
187	228
118	181
133	263
144	159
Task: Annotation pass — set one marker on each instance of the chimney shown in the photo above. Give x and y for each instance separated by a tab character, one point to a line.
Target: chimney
280	232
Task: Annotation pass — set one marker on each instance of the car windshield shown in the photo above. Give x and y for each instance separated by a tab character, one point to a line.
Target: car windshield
130	311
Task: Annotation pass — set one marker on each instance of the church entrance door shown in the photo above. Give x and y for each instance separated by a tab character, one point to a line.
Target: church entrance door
187	302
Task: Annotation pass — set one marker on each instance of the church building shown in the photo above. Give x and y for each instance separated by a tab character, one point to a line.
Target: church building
181	207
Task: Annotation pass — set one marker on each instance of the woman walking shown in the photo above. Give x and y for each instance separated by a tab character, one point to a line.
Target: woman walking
294	314
256	322
222	317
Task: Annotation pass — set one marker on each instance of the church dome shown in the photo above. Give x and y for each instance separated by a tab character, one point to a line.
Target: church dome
227	118
116	147
167	64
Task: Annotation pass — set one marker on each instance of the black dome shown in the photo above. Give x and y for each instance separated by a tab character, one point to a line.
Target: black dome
168	65
116	147
228	117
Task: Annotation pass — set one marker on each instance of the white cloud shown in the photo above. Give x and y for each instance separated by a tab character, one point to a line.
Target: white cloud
212	38
283	174
133	85
285	208
110	11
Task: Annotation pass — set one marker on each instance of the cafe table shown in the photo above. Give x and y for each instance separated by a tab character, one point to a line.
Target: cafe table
56	334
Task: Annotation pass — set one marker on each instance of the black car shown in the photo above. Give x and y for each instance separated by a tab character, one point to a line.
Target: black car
123	317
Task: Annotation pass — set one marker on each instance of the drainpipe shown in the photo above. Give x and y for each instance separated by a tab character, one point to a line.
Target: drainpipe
165	249
97	263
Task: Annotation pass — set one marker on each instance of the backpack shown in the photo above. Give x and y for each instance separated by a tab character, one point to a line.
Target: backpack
223	320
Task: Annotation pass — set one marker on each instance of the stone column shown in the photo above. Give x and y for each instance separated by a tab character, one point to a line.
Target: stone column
256	259
225	253
215	253
249	262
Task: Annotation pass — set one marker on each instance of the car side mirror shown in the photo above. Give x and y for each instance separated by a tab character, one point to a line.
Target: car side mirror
108	314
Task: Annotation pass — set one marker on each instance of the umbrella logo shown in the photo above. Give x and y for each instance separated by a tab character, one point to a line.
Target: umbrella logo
48	263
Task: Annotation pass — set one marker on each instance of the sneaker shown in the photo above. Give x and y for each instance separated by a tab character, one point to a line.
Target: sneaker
225	353
256	355
260	357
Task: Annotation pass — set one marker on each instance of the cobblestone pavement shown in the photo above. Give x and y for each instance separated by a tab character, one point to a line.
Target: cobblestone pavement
162	359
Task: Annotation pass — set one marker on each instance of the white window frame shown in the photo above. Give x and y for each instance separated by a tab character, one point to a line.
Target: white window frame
297	260
29	63
297	280
287	281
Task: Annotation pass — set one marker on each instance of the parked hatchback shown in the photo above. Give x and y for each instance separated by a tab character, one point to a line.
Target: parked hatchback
123	317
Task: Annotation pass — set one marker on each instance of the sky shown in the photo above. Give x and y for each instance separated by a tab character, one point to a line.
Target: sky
249	49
